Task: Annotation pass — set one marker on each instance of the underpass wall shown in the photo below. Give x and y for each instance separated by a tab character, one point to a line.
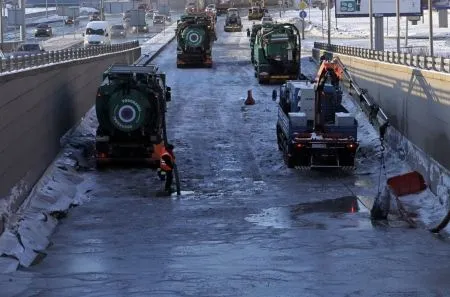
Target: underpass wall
417	103
39	106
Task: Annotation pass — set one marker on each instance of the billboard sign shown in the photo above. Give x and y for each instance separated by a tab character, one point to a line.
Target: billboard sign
16	16
360	8
437	4
73	11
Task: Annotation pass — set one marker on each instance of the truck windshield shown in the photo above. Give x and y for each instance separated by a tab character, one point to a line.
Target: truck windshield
90	31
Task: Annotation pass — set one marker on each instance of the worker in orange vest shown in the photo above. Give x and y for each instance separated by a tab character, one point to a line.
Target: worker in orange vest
167	163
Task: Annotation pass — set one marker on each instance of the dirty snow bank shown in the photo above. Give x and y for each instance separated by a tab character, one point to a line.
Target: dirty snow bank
27	231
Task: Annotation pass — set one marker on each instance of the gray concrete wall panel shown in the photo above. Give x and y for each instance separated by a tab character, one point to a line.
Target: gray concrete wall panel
39	106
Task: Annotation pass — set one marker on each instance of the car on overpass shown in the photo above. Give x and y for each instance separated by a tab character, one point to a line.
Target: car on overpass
159	19
266	20
43	30
27	49
71	21
118	31
95	16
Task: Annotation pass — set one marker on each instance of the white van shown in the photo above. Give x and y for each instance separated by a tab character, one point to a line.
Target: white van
97	33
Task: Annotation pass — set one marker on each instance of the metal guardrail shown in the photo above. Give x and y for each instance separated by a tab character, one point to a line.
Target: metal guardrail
377	117
23	62
439	64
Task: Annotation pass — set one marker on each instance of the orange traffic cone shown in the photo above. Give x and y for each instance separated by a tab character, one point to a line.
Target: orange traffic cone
249	100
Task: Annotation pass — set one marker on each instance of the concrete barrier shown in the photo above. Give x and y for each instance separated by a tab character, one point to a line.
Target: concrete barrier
36	108
417	103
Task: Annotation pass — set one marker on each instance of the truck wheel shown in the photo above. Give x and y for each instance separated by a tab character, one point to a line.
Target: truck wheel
260	80
289	161
278	139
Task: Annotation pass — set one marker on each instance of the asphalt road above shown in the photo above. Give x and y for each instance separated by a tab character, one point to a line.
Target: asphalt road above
245	225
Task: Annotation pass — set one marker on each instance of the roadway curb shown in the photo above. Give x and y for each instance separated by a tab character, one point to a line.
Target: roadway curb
157	52
22	248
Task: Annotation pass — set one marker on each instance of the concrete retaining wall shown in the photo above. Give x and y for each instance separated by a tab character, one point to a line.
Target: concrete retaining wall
418	105
36	108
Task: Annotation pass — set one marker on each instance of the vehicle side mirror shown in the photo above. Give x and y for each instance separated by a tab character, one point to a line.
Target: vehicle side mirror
274	95
106	34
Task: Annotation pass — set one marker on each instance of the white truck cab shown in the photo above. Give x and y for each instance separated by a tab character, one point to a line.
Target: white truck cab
97	33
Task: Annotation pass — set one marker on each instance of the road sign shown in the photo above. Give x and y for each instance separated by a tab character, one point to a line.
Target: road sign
73	11
302	14
16	16
322	6
358	8
303	5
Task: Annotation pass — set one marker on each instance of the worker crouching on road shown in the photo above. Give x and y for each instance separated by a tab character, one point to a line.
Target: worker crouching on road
167	163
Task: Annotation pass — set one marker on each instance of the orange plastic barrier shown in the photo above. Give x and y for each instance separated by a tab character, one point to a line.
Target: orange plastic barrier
405	184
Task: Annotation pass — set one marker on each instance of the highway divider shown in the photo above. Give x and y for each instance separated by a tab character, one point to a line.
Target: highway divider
28	62
42	114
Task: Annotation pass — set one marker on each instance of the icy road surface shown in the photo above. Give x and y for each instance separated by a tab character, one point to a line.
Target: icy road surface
245	224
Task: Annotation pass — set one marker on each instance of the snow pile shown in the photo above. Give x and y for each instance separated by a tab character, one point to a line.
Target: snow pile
87	10
159	41
39	20
27	231
344	31
38	9
61	187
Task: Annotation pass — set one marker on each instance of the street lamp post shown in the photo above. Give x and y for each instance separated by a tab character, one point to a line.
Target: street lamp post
329	22
1	25
430	12
398	25
371	23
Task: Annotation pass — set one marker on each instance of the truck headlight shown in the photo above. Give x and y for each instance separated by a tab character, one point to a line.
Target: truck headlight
145	27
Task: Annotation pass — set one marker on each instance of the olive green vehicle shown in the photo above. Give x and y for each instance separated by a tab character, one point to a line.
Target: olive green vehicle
130	107
195	36
276	52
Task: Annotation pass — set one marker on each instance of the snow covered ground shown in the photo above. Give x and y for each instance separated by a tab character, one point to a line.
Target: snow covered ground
355	32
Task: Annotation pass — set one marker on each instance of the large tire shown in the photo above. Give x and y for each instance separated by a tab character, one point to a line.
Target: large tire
288	160
260	80
280	148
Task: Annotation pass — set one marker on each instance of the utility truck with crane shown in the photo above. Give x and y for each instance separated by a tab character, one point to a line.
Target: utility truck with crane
276	52
314	130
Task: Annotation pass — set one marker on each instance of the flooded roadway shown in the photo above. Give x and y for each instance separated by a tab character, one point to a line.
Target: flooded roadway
245	224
